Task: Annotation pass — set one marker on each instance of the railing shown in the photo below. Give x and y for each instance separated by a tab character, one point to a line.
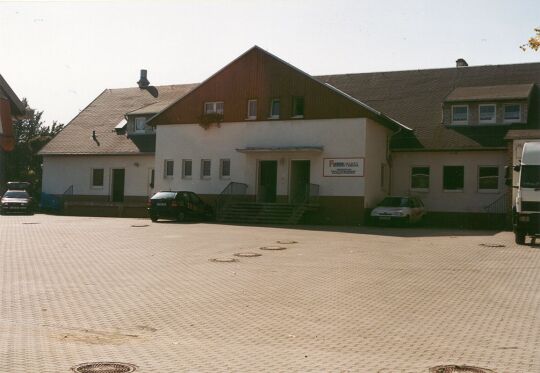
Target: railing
68	191
232	192
54	203
499	206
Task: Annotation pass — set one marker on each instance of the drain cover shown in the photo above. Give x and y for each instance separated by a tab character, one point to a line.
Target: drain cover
139	225
492	245
286	242
272	248
223	260
103	367
458	369
247	255
27	223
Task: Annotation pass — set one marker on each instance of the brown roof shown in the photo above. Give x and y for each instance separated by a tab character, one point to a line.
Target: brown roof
494	92
17	107
414	98
103	114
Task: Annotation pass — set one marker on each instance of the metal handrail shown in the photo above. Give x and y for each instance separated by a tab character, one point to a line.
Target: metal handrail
499	206
231	193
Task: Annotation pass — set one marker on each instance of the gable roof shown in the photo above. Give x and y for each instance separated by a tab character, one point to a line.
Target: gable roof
414	98
494	93
17	107
102	116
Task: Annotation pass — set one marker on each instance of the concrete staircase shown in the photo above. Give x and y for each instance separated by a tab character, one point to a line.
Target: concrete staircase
263	213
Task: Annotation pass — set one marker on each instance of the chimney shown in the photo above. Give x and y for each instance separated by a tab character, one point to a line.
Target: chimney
143	82
460	62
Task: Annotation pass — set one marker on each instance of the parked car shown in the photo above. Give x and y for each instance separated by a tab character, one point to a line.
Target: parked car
408	210
179	206
18	201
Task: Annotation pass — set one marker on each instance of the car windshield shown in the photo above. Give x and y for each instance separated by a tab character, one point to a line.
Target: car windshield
164	195
395	202
16	194
530	176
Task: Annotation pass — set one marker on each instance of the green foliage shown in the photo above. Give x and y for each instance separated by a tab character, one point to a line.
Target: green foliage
31	134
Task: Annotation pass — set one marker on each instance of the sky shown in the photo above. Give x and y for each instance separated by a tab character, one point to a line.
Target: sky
61	55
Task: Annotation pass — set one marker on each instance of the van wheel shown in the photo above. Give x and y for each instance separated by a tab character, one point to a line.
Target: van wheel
520	237
180	217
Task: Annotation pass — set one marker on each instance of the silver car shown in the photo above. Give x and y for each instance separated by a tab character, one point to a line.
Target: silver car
408	210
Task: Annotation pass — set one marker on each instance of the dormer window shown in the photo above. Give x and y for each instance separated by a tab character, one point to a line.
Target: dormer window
487	113
512	113
213	107
140	124
460	114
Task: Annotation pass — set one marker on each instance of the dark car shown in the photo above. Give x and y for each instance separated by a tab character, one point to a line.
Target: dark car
179	206
18	201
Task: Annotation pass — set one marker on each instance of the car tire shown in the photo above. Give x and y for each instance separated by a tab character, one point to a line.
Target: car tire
181	217
154	218
520	237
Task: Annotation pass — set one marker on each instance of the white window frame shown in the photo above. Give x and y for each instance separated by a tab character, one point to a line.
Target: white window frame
271	116
221	176
184	176
484	121
92	186
466	121
250	115
511	120
138	119
214	107
411	178
478	179
203	176
165	169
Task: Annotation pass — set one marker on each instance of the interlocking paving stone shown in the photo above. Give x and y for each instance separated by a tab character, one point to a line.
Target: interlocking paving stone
388	300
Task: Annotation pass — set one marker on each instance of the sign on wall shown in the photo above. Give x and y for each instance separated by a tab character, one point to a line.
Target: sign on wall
343	167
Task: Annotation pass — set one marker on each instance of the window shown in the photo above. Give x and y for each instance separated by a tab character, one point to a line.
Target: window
460	114
213	107
205	168
140	124
512	113
252	109
97	177
486	113
488	178
169	168
298	107
274	108
187	169
225	168
420	178
453	178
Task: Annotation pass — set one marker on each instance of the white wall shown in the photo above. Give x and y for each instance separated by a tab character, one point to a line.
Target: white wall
59	172
376	151
470	199
339	137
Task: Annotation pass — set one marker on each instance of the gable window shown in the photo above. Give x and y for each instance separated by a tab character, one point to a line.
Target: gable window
187	168
460	114
97	177
213	107
252	109
488	178
486	113
275	108
453	178
206	165
420	178
225	168
512	113
168	168
140	124
298	107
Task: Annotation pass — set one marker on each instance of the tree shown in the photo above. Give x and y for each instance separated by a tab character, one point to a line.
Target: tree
534	42
31	134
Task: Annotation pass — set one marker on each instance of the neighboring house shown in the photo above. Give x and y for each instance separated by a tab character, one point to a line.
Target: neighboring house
10	107
286	137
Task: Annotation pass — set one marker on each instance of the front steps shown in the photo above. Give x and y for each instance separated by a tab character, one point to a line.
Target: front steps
263	213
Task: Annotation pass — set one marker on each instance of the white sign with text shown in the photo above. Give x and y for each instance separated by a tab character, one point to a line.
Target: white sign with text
343	167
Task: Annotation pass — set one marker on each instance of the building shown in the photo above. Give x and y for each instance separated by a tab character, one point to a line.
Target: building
10	107
287	138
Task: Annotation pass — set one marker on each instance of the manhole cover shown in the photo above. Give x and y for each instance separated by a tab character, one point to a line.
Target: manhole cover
458	369
286	242
27	223
223	260
139	225
104	368
247	255
492	245
272	248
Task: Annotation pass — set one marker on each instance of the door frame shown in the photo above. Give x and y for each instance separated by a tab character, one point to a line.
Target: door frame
111	193
289	191
258	176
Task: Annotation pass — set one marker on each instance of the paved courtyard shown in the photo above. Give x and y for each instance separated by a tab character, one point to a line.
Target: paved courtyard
76	289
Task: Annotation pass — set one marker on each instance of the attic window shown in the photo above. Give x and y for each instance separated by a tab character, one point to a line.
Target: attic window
140	124
213	107
486	113
512	113
298	107
460	114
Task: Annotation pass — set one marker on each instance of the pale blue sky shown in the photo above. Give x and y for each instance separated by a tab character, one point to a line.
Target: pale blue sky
60	55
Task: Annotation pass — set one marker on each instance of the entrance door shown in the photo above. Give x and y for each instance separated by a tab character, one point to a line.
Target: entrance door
299	184
267	181
118	177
